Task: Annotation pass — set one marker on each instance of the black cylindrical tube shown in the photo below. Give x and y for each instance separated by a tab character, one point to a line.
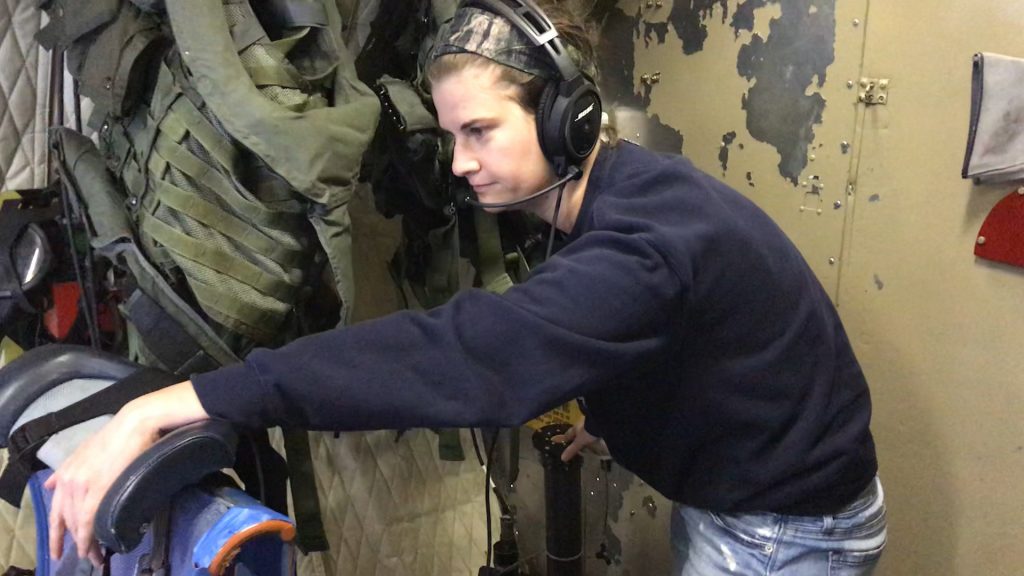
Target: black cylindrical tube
563	500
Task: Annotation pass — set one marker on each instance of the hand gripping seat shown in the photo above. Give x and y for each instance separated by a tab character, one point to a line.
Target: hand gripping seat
172	512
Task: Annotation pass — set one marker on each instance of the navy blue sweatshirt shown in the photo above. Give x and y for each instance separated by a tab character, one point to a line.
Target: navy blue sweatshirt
706	352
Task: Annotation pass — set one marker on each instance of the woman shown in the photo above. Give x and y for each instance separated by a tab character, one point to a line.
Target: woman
703	349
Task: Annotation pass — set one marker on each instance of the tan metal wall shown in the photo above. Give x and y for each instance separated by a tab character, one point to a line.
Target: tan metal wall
936	330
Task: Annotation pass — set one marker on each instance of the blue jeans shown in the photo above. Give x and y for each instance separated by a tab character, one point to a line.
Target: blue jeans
848	543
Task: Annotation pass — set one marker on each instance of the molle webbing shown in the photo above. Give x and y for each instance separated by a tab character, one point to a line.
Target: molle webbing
243	257
273	97
173	336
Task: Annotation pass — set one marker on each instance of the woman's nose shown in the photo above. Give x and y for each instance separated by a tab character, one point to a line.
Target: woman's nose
463	162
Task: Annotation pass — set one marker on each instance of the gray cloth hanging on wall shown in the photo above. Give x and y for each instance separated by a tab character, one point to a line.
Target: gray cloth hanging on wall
995	140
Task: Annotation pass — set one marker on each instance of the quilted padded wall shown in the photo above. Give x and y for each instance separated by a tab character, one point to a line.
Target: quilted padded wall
23	86
391	507
17	531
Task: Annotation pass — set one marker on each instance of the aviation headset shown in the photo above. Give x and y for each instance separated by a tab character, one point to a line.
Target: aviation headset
569	112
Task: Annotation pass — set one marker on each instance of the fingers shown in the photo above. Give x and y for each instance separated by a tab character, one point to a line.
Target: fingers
56	521
84	542
80	513
72	511
95	554
568	436
578	444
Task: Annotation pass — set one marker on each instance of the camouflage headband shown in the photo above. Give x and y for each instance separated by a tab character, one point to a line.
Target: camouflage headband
476	31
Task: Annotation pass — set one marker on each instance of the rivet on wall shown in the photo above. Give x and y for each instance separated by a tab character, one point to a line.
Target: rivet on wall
650	79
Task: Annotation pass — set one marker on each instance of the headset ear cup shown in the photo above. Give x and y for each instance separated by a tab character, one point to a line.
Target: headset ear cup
551	147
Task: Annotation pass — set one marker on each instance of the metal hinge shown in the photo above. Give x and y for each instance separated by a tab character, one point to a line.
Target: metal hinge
874	91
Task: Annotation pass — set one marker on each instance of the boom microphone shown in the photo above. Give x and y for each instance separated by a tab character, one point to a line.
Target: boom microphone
574	174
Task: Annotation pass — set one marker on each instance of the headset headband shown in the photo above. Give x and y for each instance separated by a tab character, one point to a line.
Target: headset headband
529	19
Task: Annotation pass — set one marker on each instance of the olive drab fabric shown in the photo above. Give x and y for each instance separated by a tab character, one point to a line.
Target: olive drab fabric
230	138
315	148
235	140
81	165
108	46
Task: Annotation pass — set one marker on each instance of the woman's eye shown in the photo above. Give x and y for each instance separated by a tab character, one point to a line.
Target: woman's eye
476	131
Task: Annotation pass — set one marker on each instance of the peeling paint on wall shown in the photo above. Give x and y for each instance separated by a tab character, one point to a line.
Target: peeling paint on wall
781	69
659	29
723	153
619	33
743	18
688	19
615	54
797	53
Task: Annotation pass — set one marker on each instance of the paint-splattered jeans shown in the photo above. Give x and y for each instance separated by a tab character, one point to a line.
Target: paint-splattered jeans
848	543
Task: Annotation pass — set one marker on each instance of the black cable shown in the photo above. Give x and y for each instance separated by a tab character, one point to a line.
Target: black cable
259	467
487	492
77	103
502	504
476	446
84	279
554	224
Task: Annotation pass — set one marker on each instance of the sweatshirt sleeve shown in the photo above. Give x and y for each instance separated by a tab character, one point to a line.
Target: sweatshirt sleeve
603	305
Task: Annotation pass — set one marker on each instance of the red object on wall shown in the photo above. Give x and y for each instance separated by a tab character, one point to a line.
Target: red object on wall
1001	237
62	315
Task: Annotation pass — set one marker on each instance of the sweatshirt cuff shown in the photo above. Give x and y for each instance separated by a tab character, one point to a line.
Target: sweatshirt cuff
233	393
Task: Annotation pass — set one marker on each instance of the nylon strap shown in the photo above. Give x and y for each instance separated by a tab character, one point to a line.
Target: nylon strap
222	149
150	281
227	224
217	259
129	68
164	93
25	442
177	156
309	527
491	258
118	148
247	31
271	76
165	338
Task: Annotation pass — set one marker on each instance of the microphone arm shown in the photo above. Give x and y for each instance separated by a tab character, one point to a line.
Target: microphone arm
574	174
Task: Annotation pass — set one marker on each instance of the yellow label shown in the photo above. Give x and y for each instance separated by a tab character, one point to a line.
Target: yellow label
568	413
8	351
